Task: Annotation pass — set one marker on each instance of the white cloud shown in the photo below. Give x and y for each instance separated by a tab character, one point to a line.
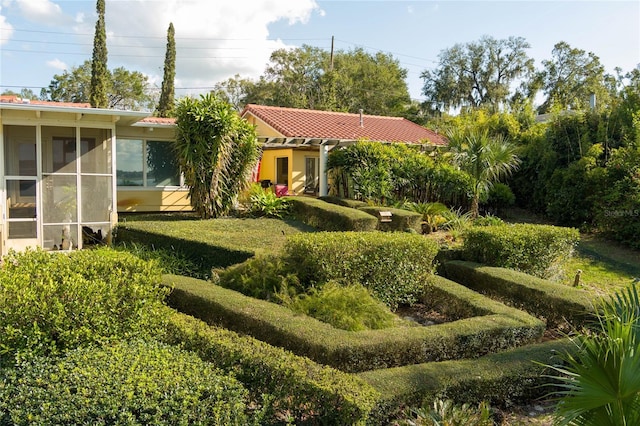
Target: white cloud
410	10
6	29
214	40
43	11
57	64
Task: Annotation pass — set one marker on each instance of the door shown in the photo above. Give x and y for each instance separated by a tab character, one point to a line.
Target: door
282	171
311	180
21	189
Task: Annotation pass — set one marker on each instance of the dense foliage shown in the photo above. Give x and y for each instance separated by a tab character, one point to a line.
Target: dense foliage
216	150
124	383
540	250
52	302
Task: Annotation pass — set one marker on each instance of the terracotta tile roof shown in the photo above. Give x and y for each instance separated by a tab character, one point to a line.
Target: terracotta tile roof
303	123
12	99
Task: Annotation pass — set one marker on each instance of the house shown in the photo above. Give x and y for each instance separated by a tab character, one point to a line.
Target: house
296	142
58	177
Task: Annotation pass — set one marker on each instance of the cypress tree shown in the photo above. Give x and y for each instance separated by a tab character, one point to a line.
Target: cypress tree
99	72
165	105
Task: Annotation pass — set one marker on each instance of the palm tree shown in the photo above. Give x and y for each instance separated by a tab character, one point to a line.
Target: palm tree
600	384
485	158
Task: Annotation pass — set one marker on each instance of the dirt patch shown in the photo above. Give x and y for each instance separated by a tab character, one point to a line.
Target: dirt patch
422	315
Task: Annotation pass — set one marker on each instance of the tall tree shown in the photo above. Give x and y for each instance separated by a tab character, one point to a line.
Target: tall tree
486	159
99	71
216	150
125	89
478	73
571	77
235	91
167	95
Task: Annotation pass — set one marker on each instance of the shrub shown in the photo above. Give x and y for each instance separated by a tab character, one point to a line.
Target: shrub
349	308
264	202
488	220
169	261
127	383
540	250
330	217
447	412
262	277
54	301
394	267
401	220
499	196
345	202
433	214
284	383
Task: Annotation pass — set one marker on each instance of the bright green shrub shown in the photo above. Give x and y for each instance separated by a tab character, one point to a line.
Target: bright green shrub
330	217
401	220
56	301
345	202
262	277
265	202
488	220
127	383
540	250
284	383
347	307
393	266
557	303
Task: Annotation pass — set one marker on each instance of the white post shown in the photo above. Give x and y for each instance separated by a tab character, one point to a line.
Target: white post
324	188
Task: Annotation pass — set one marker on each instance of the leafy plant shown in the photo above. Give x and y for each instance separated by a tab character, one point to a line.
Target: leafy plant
349	307
488	220
433	214
264	202
126	383
600	384
447	413
457	220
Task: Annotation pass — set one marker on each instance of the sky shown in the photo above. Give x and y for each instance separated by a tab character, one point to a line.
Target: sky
217	39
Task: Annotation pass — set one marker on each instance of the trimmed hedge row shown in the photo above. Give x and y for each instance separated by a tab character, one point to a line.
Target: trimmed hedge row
393	266
345	202
504	379
285	383
401	220
330	217
498	328
556	303
539	250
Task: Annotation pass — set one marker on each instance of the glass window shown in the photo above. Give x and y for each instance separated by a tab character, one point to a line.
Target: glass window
146	163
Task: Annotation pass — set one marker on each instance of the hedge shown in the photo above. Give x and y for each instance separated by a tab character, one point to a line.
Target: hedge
557	303
498	327
539	250
283	382
504	379
393	266
330	217
125	383
401	220
345	202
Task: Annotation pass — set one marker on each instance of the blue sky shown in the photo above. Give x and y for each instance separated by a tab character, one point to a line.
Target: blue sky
218	39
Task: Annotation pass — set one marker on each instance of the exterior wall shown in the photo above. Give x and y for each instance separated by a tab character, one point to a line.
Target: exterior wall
262	128
268	163
298	171
151	199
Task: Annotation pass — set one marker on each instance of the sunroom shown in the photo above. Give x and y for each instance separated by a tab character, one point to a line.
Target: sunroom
57	186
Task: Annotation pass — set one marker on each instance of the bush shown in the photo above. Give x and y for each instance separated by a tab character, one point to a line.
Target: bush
401	220
127	383
500	196
264	202
394	267
349	308
539	250
488	220
345	202
433	214
282	382
557	303
55	301
330	217
262	277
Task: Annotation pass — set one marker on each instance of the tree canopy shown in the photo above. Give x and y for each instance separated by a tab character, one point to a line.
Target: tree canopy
167	93
99	71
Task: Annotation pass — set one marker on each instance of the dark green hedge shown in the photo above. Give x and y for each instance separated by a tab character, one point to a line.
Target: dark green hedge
330	217
345	202
285	383
504	379
498	328
401	220
539	250
393	266
554	302
124	383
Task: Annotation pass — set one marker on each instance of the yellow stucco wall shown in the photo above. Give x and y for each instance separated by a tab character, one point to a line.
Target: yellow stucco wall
268	163
153	200
262	128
